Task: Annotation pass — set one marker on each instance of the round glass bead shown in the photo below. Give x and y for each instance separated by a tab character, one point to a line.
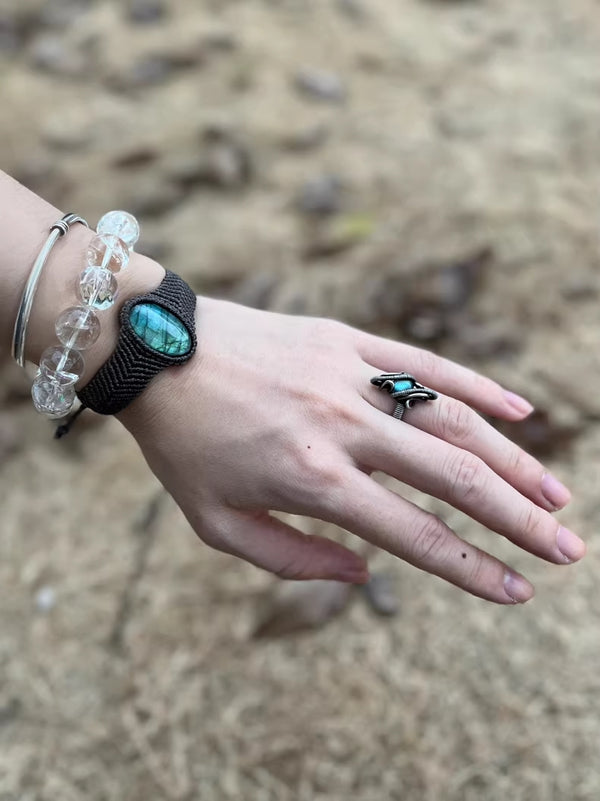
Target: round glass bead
98	287
121	224
109	252
78	327
51	398
61	365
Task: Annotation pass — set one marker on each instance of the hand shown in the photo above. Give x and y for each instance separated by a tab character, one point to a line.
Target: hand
277	412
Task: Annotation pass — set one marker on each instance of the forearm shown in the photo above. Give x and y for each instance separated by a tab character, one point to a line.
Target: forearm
25	221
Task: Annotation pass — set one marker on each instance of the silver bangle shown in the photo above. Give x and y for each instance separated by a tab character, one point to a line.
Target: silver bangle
58	229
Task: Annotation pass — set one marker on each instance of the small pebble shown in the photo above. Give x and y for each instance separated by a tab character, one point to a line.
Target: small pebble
62	13
321	196
219	41
153	69
306	139
49	54
227	164
223	161
136	156
580	288
381	594
149	71
321	85
10	711
353	9
146	12
45	599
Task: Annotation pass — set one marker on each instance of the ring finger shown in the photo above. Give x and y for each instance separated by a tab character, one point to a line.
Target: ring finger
455	422
389	521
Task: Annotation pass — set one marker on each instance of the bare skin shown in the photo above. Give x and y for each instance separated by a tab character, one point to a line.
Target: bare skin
277	413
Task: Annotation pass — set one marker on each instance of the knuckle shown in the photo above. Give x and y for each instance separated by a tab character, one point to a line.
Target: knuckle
291	570
331	412
531	520
428	365
318	473
517	461
218	534
466	477
455	421
428	540
327	333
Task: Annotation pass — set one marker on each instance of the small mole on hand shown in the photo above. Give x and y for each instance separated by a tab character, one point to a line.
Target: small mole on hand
308	446
464	556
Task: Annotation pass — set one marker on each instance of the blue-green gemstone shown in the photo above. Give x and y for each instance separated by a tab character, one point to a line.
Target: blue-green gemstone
160	329
401	386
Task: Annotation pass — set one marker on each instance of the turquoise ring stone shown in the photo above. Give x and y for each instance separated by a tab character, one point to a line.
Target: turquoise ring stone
160	330
402	386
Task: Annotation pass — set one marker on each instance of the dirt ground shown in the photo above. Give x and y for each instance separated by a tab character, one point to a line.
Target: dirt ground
428	170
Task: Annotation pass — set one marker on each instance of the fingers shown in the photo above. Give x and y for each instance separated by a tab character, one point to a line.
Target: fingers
398	526
458	424
464	480
443	375
281	549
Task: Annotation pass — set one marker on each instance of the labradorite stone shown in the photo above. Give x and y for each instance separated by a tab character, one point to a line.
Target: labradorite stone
400	386
160	329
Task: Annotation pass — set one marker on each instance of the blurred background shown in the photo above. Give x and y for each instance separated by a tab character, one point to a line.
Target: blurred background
425	169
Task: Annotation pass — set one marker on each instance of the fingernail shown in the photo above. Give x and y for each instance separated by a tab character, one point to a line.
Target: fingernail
517	402
518	589
555	492
570	545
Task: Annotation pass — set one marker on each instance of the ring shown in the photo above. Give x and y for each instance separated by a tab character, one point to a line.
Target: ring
404	389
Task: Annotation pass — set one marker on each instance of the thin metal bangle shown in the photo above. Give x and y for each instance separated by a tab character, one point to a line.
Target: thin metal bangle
58	229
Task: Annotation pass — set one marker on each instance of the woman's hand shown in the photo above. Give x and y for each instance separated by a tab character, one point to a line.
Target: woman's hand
277	412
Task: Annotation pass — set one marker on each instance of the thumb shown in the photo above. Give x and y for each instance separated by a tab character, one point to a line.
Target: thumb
267	542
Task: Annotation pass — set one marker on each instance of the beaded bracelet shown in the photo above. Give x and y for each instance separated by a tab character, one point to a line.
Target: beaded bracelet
78	327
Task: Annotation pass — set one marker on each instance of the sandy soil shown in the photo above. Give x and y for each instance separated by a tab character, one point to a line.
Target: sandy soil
340	158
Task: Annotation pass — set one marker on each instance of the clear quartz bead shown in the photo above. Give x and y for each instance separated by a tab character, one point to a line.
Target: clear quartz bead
51	398
121	224
78	327
98	287
61	365
109	252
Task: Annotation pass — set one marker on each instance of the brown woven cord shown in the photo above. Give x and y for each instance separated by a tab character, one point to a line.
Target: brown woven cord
134	364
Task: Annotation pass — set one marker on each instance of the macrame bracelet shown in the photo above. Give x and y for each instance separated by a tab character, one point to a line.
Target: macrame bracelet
157	331
78	327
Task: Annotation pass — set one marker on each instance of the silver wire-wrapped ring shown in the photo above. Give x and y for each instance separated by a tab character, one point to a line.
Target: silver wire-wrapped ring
404	389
